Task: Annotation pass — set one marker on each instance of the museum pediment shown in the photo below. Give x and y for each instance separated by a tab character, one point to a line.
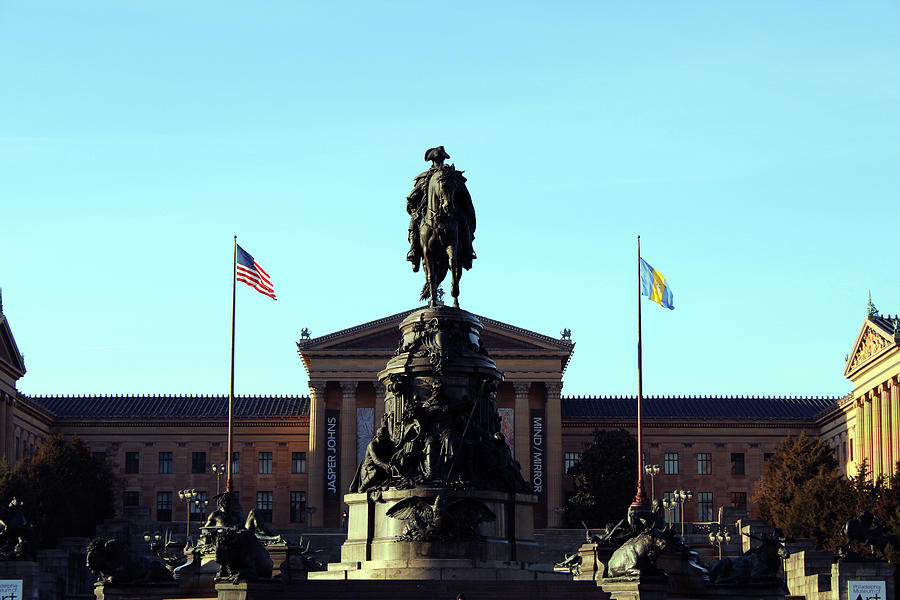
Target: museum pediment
384	335
875	338
10	359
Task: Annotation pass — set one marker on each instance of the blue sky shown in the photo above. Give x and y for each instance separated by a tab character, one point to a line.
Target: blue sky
753	146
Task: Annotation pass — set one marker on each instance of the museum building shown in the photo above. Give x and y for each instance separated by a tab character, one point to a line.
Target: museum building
294	456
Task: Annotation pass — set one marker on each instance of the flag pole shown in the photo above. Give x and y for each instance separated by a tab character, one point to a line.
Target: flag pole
639	498
228	484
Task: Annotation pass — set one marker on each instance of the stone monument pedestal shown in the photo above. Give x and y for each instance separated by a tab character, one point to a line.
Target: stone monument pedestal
506	550
135	591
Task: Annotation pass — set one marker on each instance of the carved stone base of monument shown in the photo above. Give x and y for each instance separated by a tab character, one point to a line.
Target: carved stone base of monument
135	591
683	576
197	576
654	588
375	548
250	590
28	571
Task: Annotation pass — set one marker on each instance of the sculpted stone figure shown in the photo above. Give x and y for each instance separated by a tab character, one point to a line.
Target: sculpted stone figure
112	562
444	519
441	225
241	556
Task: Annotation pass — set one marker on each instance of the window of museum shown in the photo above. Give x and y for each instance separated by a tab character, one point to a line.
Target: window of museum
670	463
235	462
737	463
704	464
198	462
569	460
298	462
265	463
132	463
851	449
165	462
298	507
674	513
844	451
131	498
739	500
199	504
164	506
264	506
704	506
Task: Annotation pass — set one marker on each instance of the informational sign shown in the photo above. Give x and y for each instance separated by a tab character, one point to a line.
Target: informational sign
10	589
538	451
864	590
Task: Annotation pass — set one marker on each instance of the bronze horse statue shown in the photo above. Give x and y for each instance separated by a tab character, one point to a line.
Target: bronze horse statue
446	229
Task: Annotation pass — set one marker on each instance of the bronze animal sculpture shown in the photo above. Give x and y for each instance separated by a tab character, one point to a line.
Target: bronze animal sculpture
442	225
112	562
241	556
571	564
757	565
637	556
16	532
444	519
865	529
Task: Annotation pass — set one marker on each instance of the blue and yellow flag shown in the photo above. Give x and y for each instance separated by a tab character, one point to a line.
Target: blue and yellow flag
653	285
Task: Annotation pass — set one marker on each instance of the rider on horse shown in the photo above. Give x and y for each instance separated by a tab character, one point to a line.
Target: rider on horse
415	204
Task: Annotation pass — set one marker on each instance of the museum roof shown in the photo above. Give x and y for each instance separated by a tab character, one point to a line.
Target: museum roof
698	407
172	406
183	407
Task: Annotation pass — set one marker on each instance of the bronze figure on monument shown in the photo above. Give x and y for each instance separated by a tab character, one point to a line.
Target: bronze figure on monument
441	225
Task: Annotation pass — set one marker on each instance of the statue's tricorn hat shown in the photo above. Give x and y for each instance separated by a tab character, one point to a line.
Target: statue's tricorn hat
436	153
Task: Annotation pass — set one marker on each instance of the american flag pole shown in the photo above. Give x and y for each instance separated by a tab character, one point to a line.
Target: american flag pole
228	484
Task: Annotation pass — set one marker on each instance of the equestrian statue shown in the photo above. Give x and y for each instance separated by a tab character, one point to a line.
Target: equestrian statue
441	226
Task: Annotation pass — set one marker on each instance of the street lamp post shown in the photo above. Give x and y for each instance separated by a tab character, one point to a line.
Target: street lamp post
152	539
669	504
718	537
682	496
219	470
201	504
188	496
652	471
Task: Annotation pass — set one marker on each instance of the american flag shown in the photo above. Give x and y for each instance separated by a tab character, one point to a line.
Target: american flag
246	269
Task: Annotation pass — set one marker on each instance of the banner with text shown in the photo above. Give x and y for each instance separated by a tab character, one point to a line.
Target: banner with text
332	465
538	460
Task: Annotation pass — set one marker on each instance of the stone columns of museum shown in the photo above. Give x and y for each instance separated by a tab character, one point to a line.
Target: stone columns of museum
5	435
887	464
894	433
860	441
867	424
876	428
522	429
554	464
316	486
379	404
348	434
